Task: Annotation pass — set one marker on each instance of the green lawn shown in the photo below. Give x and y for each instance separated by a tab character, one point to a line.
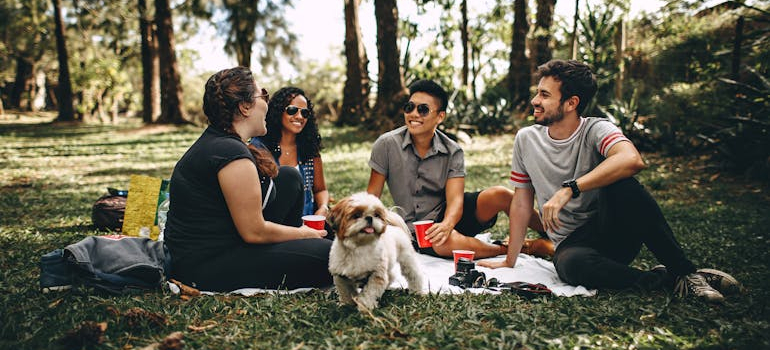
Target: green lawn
51	174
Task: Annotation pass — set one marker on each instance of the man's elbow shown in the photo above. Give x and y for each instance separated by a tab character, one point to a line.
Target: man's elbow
637	165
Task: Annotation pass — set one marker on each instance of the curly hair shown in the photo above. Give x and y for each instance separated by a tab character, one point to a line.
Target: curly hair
308	140
576	80
225	91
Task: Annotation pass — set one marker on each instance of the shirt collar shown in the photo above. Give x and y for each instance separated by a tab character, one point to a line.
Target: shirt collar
437	146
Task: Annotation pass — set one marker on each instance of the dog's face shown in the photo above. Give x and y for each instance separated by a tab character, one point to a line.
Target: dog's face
358	219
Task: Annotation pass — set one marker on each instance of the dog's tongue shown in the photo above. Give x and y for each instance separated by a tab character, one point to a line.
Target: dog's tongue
369	229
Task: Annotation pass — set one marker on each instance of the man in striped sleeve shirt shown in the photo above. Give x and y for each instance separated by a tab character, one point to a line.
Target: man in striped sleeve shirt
593	209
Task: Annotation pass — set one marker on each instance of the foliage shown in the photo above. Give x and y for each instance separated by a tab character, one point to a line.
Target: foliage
721	223
696	101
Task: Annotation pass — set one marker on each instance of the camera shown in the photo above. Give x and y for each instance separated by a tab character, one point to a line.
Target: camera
467	276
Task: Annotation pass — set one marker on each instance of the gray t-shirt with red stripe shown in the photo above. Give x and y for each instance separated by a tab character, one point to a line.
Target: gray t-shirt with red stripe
543	164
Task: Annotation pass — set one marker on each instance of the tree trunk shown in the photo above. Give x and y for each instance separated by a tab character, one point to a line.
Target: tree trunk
170	87
66	112
243	18
464	41
574	30
22	82
150	65
620	50
355	94
544	20
518	71
391	92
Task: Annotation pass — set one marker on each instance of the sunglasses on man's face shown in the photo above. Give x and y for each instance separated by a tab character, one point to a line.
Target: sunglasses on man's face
292	110
264	95
422	109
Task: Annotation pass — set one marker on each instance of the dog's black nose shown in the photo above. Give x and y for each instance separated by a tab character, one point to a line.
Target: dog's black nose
368	220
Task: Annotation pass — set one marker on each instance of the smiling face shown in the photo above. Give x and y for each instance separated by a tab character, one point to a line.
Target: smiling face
256	111
423	124
547	104
294	123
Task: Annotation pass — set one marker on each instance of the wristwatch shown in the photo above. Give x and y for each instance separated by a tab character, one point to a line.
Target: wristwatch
573	185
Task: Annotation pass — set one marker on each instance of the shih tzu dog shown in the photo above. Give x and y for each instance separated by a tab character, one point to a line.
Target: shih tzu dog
370	241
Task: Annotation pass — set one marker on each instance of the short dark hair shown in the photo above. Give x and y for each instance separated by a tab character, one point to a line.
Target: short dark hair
431	88
576	79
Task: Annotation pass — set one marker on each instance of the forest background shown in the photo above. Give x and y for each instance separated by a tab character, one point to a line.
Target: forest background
690	77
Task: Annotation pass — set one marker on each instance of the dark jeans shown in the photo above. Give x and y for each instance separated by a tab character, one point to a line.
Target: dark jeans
287	265
597	254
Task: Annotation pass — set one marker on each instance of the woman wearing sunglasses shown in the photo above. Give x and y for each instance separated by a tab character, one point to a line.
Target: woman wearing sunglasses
292	136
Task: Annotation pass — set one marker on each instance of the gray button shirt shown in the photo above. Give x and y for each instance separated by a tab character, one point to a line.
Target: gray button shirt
417	185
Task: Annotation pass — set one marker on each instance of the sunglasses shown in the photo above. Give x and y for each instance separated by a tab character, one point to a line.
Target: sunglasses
422	109
264	95
292	110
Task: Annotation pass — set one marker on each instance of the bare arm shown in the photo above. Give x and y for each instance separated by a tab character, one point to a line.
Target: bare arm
518	215
440	231
376	183
320	193
240	185
623	161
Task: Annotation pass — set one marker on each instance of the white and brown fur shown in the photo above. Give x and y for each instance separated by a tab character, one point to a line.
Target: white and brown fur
370	241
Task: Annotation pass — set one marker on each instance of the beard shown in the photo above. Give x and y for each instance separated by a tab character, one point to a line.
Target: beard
549	119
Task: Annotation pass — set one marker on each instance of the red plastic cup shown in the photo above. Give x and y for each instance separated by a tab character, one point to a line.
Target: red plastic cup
468	254
419	229
314	221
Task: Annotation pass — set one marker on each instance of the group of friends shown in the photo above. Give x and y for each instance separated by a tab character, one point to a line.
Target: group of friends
241	189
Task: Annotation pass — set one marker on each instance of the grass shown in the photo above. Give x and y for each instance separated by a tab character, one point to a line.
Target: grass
50	174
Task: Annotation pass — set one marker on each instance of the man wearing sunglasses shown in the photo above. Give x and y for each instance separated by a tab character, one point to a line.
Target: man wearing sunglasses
425	173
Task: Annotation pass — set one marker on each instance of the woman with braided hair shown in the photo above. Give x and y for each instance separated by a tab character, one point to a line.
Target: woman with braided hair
293	138
226	229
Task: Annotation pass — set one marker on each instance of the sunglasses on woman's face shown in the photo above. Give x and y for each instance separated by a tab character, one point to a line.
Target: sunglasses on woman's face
292	110
422	109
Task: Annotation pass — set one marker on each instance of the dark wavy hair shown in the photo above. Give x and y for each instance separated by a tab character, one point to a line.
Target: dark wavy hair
308	140
225	91
431	88
576	79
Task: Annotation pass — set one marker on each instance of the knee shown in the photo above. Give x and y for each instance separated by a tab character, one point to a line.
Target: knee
290	176
572	265
498	196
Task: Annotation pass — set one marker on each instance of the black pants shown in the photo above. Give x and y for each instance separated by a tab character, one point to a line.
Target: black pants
597	254
287	265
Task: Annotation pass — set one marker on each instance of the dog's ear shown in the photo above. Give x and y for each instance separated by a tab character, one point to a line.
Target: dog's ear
335	214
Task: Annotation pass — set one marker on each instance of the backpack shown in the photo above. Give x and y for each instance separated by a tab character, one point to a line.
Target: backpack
107	212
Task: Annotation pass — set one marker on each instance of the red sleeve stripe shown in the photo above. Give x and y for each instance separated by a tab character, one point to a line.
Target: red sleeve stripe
608	140
520	178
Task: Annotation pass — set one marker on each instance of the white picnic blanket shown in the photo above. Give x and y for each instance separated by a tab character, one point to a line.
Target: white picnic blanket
437	271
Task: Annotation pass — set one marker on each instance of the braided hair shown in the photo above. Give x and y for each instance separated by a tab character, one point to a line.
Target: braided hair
225	91
308	140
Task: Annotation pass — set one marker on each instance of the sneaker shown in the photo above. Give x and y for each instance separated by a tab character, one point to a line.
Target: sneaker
721	281
696	285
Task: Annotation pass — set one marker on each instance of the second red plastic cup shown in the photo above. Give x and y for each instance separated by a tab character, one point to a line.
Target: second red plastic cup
469	254
419	229
314	221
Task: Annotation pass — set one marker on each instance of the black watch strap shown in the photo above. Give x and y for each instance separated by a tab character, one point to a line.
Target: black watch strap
572	184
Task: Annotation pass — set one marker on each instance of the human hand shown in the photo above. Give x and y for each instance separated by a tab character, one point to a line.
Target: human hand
551	209
323	210
494	264
439	233
309	232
